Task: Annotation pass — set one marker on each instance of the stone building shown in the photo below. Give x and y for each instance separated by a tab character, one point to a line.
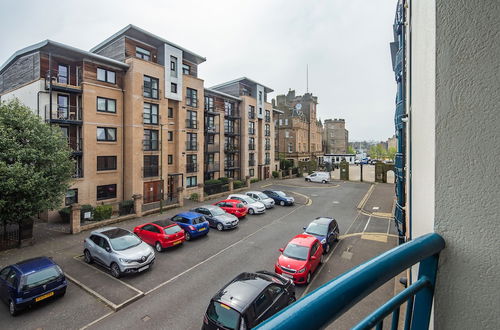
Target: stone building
336	137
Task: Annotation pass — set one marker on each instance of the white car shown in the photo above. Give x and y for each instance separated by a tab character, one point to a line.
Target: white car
253	206
261	197
323	177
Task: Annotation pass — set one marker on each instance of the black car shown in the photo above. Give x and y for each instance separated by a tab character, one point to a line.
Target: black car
280	197
249	299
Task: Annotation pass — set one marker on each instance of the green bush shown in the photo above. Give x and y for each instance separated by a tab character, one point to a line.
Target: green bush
126	207
86	208
238	184
194	197
103	212
212	181
286	164
275	174
223	180
65	214
254	180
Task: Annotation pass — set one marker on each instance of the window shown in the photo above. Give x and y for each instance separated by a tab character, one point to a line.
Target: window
71	197
191	181
251	127
260	97
251	143
228	108
170	136
191	121
106	105
106	163
170	159
210	139
209	103
192	97
170	112
106	75
150	114
260	111
191	163
173	88
262	303
191	141
268	158
267	130
173	66
150	166
142	53
62	107
150	87
268	116
286	121
186	69
106	134
290	147
274	291
106	192
251	112
62	74
150	141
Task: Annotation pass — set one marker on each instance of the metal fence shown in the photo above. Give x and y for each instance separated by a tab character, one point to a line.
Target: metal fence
216	188
12	234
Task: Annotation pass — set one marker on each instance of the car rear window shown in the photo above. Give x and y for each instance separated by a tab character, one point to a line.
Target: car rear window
240	205
172	230
41	277
223	315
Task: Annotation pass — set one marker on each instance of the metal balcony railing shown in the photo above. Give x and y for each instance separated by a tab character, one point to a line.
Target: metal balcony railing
192	124
58	81
78	173
230	164
267	133
151	171
191	145
212	167
251	131
230	130
229	147
212	147
63	113
232	114
150	145
214	129
327	303
76	144
151	93
267	119
191	167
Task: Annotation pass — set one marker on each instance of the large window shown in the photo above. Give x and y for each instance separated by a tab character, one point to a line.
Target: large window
191	181
251	143
192	97
251	112
186	69
229	108
106	163
62	74
151	87
106	75
191	121
268	116
142	53
251	127
191	141
106	105
191	163
150	139
106	134
267	130
150	113
106	192
150	166
71	197
209	103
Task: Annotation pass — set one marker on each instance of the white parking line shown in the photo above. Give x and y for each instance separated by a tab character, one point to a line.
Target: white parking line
95	321
366	226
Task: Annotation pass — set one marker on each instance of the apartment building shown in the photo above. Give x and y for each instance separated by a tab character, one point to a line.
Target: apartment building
257	131
336	137
300	133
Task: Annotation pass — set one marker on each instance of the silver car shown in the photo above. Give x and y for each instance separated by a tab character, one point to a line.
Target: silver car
253	206
119	250
217	217
261	197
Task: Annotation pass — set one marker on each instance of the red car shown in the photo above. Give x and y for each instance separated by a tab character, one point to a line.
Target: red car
300	258
233	206
161	234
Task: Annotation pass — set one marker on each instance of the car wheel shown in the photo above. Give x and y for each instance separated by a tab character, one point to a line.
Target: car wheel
220	227
12	308
308	180
282	203
327	248
188	236
115	270
87	257
251	211
324	181
308	278
322	259
158	247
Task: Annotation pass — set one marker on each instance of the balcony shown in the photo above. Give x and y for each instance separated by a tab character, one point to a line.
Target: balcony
230	130
212	147
191	167
78	173
230	164
230	147
212	167
327	303
251	146
191	124
192	102
211	110
150	171
63	114
212	129
251	162
63	83
251	131
191	145
76	144
251	114
150	145
234	114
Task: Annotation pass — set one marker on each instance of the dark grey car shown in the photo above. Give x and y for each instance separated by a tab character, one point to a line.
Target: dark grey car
217	217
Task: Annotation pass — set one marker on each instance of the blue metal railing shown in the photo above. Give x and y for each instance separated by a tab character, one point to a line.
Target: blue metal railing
327	303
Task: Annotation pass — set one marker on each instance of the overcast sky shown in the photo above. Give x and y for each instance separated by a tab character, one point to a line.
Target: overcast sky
345	43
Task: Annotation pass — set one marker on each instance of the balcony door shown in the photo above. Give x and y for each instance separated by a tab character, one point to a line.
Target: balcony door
62	106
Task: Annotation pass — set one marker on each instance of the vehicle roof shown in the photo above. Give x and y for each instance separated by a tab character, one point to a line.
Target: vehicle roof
189	215
254	192
242	290
239	195
33	264
230	200
164	223
115	232
304	240
323	220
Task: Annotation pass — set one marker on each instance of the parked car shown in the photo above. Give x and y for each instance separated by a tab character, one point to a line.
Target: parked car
194	224
233	206
280	197
253	206
300	258
31	281
161	234
119	250
261	197
249	299
325	229
357	162
323	177
217	217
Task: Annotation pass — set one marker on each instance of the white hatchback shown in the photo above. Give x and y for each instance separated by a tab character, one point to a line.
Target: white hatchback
253	206
261	197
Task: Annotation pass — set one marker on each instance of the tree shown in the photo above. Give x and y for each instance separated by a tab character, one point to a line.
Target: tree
35	164
391	153
350	150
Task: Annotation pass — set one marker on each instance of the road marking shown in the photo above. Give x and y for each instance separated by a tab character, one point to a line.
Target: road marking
366	233
364	229
375	208
363	201
305	187
373	237
92	292
308	199
266	185
336	202
95	321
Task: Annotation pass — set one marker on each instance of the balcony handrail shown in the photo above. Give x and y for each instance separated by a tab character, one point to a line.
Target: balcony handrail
327	303
60	112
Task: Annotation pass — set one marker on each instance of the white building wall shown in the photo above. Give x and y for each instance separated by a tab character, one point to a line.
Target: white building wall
27	94
172	51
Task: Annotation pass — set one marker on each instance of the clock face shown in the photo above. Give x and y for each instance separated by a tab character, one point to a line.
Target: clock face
298	106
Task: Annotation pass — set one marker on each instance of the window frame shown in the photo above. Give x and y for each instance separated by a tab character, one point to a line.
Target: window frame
106	196
106	78
148	140
106	103
107	135
184	67
149	170
150	113
142	53
150	90
173	88
107	161
189	180
192	97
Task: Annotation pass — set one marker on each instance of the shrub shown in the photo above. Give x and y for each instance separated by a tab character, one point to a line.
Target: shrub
238	184
212	181
275	174
65	214
126	207
194	197
84	209
103	212
223	180
254	180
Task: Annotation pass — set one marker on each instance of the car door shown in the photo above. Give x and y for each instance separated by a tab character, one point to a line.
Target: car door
261	305
315	251
96	249
181	222
105	251
208	216
146	234
4	291
278	297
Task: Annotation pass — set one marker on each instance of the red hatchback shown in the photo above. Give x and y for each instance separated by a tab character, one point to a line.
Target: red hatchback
161	234
300	258
233	206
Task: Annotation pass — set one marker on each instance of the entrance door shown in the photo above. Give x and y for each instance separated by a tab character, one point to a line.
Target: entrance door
153	191
172	188
266	172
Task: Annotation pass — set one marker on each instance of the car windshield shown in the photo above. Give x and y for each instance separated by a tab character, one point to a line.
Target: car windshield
124	242
43	276
262	195
296	251
172	230
280	193
217	211
317	229
223	316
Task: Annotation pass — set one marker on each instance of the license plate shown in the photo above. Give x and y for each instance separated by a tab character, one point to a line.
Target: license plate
143	268
202	229
50	294
175	243
287	276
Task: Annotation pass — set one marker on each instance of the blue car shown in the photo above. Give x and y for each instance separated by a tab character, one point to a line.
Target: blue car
194	224
279	197
31	281
326	230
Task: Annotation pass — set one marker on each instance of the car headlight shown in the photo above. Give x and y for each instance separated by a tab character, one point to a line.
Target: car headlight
125	260
300	271
323	241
